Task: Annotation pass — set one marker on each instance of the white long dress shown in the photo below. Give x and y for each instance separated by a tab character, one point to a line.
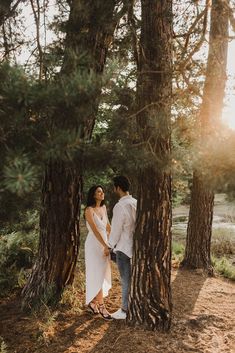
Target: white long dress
98	268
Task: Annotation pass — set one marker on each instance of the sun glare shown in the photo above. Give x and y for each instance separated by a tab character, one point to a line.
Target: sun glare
228	116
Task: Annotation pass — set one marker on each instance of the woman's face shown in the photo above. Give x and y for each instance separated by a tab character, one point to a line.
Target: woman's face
99	194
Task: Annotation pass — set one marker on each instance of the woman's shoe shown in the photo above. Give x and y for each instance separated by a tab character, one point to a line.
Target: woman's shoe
93	308
104	313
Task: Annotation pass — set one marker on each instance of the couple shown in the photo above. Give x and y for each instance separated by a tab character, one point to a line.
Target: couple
103	239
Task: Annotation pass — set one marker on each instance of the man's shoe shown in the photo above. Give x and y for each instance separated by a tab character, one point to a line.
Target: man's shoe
119	315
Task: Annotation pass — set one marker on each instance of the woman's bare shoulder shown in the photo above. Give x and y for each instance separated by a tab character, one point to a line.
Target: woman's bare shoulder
88	210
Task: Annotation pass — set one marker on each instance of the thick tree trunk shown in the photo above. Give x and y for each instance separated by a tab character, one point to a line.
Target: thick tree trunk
5	9
150	296
89	33
59	235
197	252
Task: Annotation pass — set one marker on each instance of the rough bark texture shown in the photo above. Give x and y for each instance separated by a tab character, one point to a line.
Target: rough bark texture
197	252
89	33
5	7
150	296
59	235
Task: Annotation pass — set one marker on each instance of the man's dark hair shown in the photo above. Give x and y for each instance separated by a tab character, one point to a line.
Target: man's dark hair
122	181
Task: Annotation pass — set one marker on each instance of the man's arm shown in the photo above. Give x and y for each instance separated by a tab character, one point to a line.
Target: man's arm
116	225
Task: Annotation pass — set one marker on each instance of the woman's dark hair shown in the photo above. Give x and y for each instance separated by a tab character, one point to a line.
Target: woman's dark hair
91	196
122	181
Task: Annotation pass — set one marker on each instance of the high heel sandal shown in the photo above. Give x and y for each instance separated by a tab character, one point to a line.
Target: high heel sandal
93	308
105	316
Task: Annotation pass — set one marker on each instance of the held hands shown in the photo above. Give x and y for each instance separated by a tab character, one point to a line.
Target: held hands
106	250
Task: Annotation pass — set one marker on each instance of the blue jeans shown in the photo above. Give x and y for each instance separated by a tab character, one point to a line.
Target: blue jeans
124	267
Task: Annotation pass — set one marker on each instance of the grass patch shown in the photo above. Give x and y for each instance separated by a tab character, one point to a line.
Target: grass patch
224	267
223	242
177	252
73	295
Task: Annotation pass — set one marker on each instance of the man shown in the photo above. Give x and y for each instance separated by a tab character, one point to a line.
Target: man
121	237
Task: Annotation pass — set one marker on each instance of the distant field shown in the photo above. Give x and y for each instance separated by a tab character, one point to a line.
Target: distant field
223	231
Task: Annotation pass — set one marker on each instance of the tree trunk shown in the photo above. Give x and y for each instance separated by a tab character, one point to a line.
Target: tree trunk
150	295
59	235
89	33
5	9
197	252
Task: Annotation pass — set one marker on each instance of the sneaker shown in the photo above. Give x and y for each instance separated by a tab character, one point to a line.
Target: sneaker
119	315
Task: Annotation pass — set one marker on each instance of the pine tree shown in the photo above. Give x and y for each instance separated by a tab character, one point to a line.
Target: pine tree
150	296
197	252
90	31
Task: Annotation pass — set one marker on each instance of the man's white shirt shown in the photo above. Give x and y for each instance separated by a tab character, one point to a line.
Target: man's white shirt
123	225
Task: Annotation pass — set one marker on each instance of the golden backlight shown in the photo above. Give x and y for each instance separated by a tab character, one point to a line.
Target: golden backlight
228	116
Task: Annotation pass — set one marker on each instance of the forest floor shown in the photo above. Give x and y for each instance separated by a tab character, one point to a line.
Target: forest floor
203	318
203	321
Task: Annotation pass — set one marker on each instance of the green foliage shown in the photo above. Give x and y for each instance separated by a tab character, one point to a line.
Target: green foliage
14	208
177	248
217	161
19	175
49	296
19	169
180	191
3	346
48	323
223	243
177	251
114	145
224	267
39	121
70	297
17	253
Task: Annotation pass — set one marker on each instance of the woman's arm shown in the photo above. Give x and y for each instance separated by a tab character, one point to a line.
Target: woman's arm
90	220
108	226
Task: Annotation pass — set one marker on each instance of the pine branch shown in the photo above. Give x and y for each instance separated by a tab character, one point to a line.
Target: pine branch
230	13
201	40
36	13
133	28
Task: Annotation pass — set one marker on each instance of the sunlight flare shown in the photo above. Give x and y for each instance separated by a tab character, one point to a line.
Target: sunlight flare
229	114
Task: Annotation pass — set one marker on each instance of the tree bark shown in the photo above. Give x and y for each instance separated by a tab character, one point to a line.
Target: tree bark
197	252
150	295
89	33
7	10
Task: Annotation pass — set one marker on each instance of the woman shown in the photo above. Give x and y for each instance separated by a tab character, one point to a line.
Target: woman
97	259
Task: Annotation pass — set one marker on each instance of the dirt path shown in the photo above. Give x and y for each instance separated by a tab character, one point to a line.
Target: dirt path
203	321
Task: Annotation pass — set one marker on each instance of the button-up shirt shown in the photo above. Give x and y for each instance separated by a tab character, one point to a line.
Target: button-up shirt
123	225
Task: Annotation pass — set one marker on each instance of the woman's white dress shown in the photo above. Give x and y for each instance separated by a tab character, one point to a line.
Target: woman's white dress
98	268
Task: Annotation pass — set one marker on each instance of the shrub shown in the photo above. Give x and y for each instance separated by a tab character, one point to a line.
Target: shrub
177	252
17	254
222	242
224	267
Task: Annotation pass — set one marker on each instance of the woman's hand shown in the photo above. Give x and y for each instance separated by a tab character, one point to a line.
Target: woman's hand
106	250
